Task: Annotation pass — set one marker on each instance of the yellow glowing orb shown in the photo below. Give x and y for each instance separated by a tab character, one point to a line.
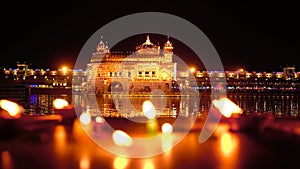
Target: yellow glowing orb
84	162
148	165
228	144
60	103
192	69
64	69
121	138
120	162
167	128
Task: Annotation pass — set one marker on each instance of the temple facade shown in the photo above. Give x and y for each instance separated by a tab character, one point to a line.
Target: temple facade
144	70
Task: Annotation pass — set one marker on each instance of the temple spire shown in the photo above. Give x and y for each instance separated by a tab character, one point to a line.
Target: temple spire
102	47
168	45
148	42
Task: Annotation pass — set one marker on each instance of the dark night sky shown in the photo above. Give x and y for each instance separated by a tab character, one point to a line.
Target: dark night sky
252	35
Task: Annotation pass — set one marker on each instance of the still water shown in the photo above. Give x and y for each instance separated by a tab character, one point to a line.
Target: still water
280	104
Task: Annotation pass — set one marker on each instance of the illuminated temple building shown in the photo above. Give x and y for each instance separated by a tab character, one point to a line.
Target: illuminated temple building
144	70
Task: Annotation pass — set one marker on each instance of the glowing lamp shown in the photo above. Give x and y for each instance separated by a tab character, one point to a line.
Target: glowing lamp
192	69
121	138
167	128
13	109
64	69
60	103
226	107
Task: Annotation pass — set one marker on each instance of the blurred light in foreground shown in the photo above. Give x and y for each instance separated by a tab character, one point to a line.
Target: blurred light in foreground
6	161
60	133
152	127
227	144
297	130
221	129
121	138
60	140
85	118
120	162
226	107
148	109
99	119
84	162
167	128
13	109
148	165
60	103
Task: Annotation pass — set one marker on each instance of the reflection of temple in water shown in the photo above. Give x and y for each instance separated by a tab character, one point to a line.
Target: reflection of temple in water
130	107
146	69
277	104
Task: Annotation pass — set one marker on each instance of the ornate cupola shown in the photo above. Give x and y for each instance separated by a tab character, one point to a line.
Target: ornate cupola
102	48
148	47
168	46
168	51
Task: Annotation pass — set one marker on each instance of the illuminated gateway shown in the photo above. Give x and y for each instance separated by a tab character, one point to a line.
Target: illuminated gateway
146	69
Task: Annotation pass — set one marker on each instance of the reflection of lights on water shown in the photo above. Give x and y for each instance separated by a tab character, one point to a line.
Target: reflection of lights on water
152	127
149	112
148	165
120	162
60	132
167	128
99	119
166	142
85	118
60	103
229	154
121	138
60	139
84	162
6	160
228	144
221	129
13	109
148	109
227	107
